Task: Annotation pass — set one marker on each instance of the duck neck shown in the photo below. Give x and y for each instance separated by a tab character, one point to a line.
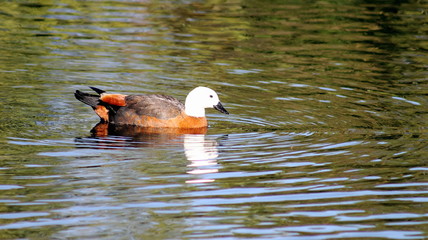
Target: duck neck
193	109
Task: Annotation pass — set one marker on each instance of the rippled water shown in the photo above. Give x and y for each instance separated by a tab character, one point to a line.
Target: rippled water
327	137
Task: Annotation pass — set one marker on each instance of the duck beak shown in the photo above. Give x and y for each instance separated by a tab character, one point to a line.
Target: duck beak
220	108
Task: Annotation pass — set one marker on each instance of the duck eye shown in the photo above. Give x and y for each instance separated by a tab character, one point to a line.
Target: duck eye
211	96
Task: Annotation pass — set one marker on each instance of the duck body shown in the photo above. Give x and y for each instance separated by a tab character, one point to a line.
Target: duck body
153	110
156	111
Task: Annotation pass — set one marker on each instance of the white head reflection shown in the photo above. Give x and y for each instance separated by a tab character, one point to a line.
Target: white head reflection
202	154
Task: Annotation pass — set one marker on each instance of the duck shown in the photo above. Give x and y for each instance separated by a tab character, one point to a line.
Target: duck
153	110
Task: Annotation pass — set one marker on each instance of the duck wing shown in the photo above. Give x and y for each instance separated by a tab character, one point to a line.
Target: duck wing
153	105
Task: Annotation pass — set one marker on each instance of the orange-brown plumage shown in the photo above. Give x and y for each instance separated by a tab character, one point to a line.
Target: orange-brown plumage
114	99
181	121
102	112
154	110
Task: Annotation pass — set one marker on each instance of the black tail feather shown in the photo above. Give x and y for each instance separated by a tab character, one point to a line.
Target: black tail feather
86	98
97	90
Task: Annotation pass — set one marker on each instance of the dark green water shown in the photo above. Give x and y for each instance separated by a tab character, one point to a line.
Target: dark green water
327	137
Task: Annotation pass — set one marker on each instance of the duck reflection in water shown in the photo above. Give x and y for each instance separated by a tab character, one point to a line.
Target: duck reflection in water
201	151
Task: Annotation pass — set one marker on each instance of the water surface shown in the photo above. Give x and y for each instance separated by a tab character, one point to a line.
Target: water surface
327	137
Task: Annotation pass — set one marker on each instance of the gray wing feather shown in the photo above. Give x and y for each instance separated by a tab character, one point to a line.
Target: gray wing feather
154	105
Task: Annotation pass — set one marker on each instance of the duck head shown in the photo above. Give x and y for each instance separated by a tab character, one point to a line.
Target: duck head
199	99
